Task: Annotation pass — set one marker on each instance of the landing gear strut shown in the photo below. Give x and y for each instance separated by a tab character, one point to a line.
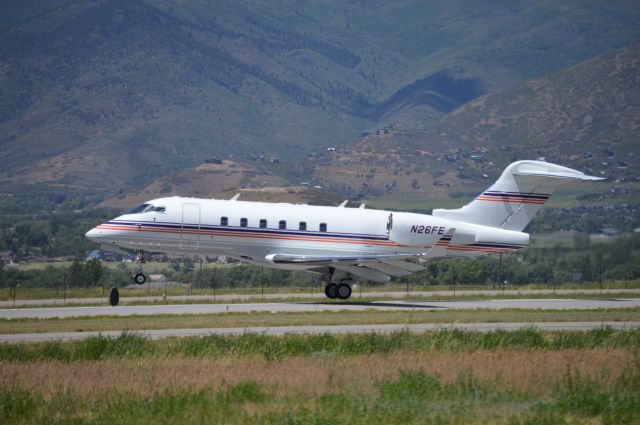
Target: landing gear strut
140	277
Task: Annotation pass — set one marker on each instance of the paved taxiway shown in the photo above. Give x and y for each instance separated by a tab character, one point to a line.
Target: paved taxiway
293	307
334	329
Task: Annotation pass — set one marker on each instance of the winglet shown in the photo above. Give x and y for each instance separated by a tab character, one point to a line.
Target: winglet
362	205
343	204
439	249
235	197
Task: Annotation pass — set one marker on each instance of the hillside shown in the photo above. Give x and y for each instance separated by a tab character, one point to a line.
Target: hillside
586	116
108	96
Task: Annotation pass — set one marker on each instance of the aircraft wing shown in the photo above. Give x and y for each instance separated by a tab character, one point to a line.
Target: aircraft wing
375	267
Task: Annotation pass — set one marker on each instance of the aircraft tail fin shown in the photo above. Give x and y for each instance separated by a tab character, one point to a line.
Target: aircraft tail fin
512	201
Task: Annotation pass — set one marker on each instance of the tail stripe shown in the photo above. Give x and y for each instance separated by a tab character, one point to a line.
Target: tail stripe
517	197
520	194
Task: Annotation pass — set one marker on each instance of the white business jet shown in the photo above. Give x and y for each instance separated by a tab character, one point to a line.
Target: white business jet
341	244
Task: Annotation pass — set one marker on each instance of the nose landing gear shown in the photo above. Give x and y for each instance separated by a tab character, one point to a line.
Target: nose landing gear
140	278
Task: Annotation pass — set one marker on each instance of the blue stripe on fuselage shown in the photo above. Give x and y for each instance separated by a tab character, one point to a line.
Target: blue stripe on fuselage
179	226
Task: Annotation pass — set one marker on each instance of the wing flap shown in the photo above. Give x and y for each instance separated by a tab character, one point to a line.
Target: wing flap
387	268
364	272
405	265
331	260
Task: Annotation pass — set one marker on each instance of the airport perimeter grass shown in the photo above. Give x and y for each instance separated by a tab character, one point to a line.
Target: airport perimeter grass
263	319
445	377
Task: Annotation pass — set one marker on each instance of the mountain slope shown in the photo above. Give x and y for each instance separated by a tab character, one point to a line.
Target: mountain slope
586	117
587	114
110	95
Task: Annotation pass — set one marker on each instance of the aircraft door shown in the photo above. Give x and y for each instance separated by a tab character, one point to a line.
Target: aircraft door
190	229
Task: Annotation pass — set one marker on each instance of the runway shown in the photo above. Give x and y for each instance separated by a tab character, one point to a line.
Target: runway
315	294
334	329
293	307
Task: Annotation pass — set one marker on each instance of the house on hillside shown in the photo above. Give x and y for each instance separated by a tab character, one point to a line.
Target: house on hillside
477	157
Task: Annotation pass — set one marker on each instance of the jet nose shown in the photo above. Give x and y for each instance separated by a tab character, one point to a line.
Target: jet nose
94	234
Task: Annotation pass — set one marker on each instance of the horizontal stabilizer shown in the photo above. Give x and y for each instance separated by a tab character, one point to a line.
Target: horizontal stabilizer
573	174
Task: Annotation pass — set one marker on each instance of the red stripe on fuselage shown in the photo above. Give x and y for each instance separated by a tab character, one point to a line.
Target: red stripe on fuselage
240	235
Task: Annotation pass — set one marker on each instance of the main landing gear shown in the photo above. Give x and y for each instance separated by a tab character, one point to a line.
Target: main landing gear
337	284
341	291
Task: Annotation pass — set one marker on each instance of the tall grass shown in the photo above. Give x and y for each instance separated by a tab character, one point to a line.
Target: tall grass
411	396
275	348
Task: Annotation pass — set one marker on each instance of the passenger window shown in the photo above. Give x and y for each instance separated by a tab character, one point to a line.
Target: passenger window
323	227
224	221
243	222
263	223
303	225
282	224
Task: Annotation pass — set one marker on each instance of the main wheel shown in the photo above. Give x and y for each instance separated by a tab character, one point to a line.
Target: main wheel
344	291
139	278
114	296
331	291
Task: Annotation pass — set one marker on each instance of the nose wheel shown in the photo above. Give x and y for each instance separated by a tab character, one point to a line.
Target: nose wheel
140	278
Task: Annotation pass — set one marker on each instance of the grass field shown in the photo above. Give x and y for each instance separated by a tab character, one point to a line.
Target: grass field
242	320
445	377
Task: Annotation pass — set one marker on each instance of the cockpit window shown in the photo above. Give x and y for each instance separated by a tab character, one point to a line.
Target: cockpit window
146	208
142	208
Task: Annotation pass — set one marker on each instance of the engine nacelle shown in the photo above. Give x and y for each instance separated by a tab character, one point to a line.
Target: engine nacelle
419	229
422	230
